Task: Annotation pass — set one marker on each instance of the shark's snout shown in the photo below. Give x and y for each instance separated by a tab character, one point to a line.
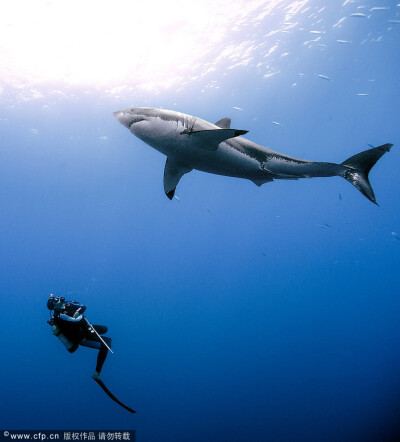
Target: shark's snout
128	117
121	117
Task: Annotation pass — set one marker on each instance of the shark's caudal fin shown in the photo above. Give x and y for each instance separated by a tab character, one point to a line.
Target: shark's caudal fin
358	167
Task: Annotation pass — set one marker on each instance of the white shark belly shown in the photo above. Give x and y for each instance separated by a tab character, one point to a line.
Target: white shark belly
224	161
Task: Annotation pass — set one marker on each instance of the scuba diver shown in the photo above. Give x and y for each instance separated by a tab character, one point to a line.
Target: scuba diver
73	329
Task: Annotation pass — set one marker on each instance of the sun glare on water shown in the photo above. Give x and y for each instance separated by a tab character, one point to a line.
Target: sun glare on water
102	43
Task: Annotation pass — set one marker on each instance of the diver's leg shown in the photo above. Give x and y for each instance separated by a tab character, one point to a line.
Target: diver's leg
101	329
101	357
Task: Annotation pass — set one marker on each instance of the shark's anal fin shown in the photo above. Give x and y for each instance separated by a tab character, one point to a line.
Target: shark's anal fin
261	181
224	123
210	139
173	172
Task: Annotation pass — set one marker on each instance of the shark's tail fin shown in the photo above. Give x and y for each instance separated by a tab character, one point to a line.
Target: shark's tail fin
358	166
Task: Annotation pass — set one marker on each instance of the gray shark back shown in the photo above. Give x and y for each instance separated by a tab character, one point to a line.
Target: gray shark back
193	143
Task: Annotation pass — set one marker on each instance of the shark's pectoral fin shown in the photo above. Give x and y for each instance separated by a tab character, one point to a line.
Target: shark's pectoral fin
260	182
224	123
173	172
210	139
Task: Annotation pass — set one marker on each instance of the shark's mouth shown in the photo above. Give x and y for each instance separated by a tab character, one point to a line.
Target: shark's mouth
136	120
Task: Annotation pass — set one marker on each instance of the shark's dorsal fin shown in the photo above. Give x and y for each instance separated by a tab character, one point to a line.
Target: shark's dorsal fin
210	139
173	172
224	123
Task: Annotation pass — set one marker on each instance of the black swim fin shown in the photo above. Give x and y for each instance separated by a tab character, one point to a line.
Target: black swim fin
108	392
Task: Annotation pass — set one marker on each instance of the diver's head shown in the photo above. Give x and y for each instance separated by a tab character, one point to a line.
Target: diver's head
55	302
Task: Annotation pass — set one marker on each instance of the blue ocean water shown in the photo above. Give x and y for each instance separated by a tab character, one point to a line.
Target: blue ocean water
236	312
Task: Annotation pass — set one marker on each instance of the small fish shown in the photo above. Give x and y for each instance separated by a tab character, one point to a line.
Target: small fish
396	235
397	22
208	210
327	225
339	23
278	124
370	145
237	108
315	32
177	198
322	226
340	196
343	41
358	14
362	95
324	77
379	8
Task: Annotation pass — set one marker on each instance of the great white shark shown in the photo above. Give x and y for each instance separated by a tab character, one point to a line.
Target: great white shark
192	143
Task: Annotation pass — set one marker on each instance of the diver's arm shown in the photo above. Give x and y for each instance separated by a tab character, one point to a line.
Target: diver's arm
76	317
69	318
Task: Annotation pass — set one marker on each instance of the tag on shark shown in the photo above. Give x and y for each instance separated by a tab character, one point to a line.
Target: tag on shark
210	139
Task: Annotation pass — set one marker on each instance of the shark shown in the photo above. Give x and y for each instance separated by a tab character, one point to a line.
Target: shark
190	143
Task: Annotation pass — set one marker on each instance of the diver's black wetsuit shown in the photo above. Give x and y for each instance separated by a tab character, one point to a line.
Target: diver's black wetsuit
68	317
73	329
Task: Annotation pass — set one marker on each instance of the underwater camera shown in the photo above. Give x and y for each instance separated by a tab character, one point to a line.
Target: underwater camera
55	302
58	304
